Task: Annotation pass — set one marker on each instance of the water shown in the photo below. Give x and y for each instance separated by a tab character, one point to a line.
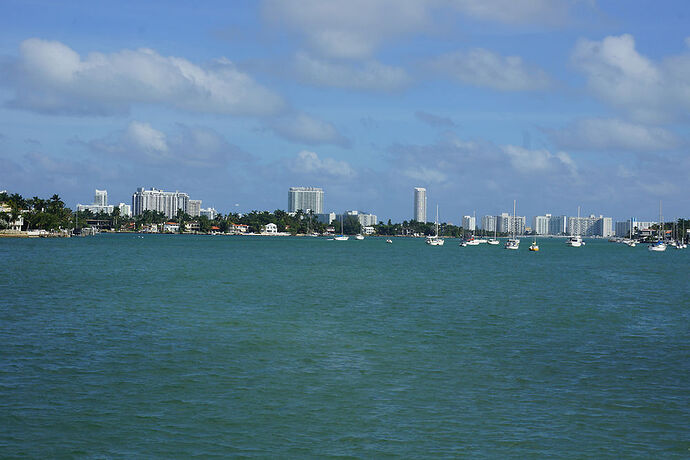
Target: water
117	346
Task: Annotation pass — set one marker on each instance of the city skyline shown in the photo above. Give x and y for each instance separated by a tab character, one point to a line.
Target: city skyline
555	104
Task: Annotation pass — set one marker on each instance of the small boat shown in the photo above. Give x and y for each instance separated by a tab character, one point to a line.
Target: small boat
513	243
575	241
493	241
534	246
359	237
389	241
342	236
435	240
659	245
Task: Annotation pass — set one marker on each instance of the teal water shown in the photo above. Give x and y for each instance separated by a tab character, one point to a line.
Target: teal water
116	346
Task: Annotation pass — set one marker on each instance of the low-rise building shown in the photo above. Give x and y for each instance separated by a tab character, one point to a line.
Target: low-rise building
271	229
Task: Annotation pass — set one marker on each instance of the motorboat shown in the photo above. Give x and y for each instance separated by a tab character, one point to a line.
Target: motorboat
575	241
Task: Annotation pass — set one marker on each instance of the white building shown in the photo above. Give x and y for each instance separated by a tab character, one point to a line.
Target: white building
100	198
469	223
368	230
549	225
326	218
125	210
420	204
365	220
15	225
100	203
590	226
157	200
505	222
194	208
305	199
208	212
489	223
172	227
623	228
271	229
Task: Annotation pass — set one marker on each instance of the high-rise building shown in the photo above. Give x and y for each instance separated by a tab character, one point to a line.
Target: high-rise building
125	210
420	204
469	223
505	222
100	204
305	199
157	200
623	228
194	208
489	223
101	198
549	225
590	226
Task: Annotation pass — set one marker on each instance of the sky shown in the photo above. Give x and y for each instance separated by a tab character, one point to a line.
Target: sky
553	103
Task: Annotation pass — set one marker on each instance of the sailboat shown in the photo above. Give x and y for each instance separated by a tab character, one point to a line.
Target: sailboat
513	243
342	236
494	241
659	246
435	240
473	241
630	242
681	242
575	241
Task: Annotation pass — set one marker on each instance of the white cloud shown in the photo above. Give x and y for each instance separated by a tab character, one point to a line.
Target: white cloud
309	162
350	29
355	29
50	77
426	175
550	12
369	75
142	137
619	75
481	67
614	135
434	120
302	128
189	146
537	161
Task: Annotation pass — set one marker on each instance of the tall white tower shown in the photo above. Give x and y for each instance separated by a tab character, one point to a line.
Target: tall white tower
420	204
100	198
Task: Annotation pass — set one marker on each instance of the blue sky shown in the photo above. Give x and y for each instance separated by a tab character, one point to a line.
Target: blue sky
555	103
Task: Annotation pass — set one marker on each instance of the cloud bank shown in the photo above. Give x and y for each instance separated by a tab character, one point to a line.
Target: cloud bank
50	77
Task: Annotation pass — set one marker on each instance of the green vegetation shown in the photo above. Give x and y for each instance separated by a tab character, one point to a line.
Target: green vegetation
38	213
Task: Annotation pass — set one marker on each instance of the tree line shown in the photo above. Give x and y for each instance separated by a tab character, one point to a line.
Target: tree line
51	214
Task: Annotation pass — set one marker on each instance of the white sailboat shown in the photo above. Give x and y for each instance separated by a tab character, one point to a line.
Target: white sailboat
513	243
659	246
493	241
435	240
630	242
575	241
342	236
473	241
